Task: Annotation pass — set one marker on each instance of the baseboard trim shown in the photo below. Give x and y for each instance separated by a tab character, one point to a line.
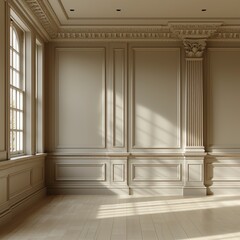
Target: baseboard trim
164	191
194	191
18	207
88	191
223	191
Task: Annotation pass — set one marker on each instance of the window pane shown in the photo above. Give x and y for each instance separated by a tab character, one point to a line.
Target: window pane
11	57
11	120
21	141
15	41
14	105
16	61
14	119
16	80
14	141
20	101
11	43
18	123
20	120
11	97
18	98
11	141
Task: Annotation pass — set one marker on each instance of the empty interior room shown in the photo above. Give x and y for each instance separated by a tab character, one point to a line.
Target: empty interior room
119	119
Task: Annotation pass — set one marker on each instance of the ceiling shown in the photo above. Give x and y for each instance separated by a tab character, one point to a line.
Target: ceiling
133	19
142	12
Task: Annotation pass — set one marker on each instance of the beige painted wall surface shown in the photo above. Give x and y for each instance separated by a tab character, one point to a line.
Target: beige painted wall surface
224	98
155	98
81	98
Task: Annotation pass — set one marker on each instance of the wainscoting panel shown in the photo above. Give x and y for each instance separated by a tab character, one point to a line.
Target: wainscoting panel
80	96
91	175
222	174
156	175
22	182
155	98
119	172
81	172
4	193
223	99
19	182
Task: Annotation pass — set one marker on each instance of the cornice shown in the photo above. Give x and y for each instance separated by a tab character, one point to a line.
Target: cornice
230	32
41	12
194	30
172	31
117	33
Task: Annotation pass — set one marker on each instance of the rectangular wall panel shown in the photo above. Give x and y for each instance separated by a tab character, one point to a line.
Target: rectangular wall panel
119	98
3	187
37	175
223	129
156	172
19	182
155	93
81	98
80	172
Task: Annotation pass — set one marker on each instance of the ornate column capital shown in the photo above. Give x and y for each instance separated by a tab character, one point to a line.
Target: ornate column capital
194	48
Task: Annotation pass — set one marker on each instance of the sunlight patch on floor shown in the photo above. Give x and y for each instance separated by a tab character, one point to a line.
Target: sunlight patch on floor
133	208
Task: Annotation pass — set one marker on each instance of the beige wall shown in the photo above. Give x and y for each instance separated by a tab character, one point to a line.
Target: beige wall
117	111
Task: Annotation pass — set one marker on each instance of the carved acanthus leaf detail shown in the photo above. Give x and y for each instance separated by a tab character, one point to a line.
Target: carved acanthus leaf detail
194	48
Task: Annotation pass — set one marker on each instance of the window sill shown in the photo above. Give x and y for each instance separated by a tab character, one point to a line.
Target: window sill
20	160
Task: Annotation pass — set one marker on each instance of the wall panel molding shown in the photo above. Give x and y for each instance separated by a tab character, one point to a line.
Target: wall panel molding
22	183
222	100
119	95
73	100
222	174
80	172
140	86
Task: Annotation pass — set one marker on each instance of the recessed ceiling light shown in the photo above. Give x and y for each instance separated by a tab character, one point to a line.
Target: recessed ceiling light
118	10
204	10
72	10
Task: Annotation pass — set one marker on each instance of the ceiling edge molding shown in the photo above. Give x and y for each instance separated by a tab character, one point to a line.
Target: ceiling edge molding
226	33
172	31
118	33
40	11
21	9
194	30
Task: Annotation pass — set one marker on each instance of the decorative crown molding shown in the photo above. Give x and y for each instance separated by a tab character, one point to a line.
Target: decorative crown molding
172	31
117	33
41	12
194	30
194	48
225	33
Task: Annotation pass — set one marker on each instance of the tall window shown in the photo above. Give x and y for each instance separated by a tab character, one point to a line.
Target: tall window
17	93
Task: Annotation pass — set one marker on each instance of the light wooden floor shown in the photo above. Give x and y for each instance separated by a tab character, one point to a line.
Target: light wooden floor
132	218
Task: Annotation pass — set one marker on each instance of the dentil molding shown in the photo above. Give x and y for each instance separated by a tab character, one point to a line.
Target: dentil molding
172	31
194	30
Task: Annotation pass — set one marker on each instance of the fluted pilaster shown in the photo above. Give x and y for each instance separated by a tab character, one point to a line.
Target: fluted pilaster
194	101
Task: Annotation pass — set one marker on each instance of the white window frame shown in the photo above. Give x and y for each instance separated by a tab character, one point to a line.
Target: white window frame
17	88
